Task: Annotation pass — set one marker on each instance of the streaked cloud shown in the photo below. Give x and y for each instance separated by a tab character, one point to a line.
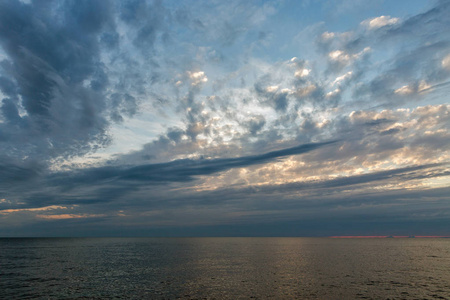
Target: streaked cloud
45	208
67	216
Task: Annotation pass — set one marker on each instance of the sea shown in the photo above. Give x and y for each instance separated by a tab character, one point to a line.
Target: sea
224	268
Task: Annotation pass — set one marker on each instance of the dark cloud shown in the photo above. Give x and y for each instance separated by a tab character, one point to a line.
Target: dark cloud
186	169
50	51
326	202
15	174
277	99
97	185
147	18
61	93
123	105
256	124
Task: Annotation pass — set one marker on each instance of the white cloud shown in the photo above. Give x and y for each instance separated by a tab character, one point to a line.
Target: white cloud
343	57
379	22
327	35
306	91
300	65
197	77
404	90
338	55
342	78
446	62
333	93
302	73
272	88
423	86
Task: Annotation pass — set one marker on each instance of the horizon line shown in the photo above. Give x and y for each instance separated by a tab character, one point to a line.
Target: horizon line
332	237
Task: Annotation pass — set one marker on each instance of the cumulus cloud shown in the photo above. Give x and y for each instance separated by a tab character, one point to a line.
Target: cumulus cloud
197	77
301	69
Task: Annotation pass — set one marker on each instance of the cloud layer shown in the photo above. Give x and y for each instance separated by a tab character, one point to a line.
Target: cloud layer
155	116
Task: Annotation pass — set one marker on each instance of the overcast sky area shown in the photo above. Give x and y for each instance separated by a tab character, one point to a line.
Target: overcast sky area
224	118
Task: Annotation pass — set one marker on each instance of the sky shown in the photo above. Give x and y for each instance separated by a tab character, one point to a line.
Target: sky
224	118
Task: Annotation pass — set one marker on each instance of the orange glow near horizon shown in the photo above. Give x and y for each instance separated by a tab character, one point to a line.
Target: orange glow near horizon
67	216
45	208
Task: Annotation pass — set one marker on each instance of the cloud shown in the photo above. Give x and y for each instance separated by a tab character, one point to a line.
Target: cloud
341	79
414	88
131	109
94	186
186	169
339	59
68	216
197	77
446	62
300	66
13	173
327	36
45	208
404	90
69	73
47	65
379	22
273	95
256	124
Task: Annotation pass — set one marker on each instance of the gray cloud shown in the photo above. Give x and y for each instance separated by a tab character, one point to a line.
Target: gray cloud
326	202
66	76
89	186
50	51
186	169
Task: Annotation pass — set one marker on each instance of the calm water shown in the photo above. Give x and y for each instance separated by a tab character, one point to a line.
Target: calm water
225	268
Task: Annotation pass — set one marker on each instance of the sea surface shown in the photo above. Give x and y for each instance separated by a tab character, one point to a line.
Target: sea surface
224	268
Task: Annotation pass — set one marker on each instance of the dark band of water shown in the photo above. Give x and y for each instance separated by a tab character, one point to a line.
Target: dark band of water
224	268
